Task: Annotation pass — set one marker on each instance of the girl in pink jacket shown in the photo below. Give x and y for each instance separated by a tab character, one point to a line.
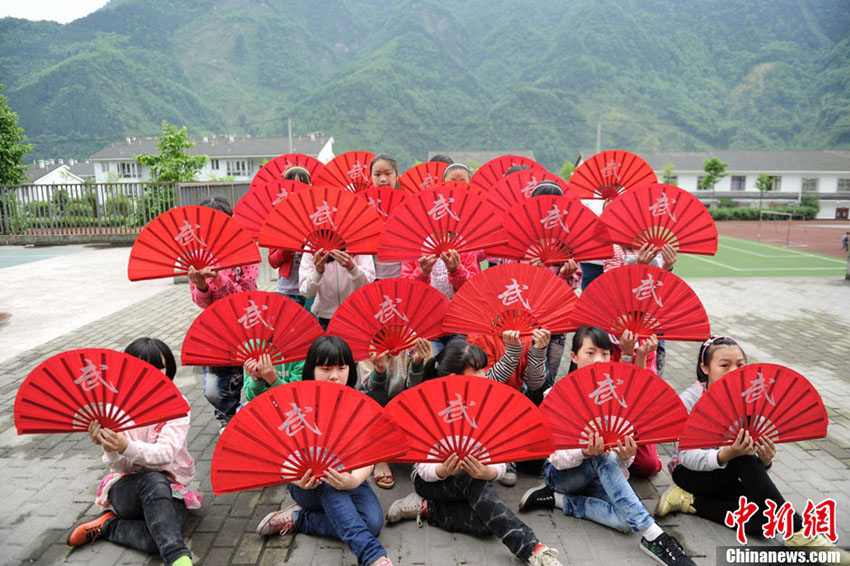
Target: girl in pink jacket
146	489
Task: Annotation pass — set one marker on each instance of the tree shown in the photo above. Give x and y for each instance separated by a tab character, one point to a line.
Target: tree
764	183
567	170
714	171
173	164
667	176
12	146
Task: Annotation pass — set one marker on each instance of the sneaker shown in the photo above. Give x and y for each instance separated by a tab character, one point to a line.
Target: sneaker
540	497
410	507
89	531
509	479
544	556
666	550
279	522
382	561
221	426
674	500
797	539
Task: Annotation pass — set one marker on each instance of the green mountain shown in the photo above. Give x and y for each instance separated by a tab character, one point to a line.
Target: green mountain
407	76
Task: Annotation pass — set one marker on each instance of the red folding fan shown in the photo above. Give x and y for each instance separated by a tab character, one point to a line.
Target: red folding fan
246	325
422	176
659	214
515	188
614	400
322	217
436	220
765	399
349	171
196	236
274	170
68	391
644	299
513	296
301	426
609	173
383	199
252	210
469	415
389	315
486	176
553	229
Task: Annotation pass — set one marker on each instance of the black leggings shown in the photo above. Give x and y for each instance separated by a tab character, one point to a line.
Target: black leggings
463	504
717	491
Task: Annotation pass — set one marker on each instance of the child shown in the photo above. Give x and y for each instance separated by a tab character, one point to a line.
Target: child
285	261
457	495
592	483
458	173
384	172
340	505
709	482
222	385
330	277
260	375
146	489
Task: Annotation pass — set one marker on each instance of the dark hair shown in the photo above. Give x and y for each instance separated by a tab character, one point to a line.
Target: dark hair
297	173
441	158
515	168
331	351
383	157
219	204
706	353
454	358
456	166
153	350
598	336
547	188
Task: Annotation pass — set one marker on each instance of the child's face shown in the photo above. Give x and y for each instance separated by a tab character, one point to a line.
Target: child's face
589	353
458	175
383	174
469	370
334	374
724	359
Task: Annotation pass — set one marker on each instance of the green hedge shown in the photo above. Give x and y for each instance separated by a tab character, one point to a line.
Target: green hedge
740	213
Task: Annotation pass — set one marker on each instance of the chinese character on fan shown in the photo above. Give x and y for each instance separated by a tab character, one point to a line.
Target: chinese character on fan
91	377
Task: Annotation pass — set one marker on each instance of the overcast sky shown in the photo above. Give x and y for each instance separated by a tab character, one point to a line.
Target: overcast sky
62	11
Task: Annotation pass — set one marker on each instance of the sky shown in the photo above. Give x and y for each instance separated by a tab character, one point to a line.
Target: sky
62	11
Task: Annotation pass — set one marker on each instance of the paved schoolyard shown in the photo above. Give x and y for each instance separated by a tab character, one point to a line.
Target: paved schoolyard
47	482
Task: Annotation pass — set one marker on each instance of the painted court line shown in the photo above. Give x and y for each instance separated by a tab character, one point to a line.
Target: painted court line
769	256
791	251
743	269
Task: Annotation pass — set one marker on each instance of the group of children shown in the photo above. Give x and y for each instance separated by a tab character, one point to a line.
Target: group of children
147	490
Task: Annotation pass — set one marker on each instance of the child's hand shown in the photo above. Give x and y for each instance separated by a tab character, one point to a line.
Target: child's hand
343	259
452	260
265	369
595	446
250	368
307	482
320	259
568	268
511	338
627	343
669	255
478	470
340	481
536	262
422	351
426	264
451	467
766	450
646	253
742	446
380	361
649	345
113	441
540	338
94	432
627	449
199	278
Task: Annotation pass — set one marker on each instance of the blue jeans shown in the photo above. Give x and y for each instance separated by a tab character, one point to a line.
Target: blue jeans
597	490
589	272
223	389
354	517
148	518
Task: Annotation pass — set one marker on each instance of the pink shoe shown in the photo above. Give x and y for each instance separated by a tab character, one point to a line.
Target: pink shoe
279	522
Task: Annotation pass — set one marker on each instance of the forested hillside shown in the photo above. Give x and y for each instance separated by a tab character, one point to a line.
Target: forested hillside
412	75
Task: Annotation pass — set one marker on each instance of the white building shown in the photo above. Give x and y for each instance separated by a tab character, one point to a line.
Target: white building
825	174
236	157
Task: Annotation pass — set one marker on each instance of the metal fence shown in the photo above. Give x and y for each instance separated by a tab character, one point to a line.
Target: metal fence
99	208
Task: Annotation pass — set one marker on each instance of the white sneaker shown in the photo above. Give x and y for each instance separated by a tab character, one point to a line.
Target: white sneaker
545	556
278	522
410	507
